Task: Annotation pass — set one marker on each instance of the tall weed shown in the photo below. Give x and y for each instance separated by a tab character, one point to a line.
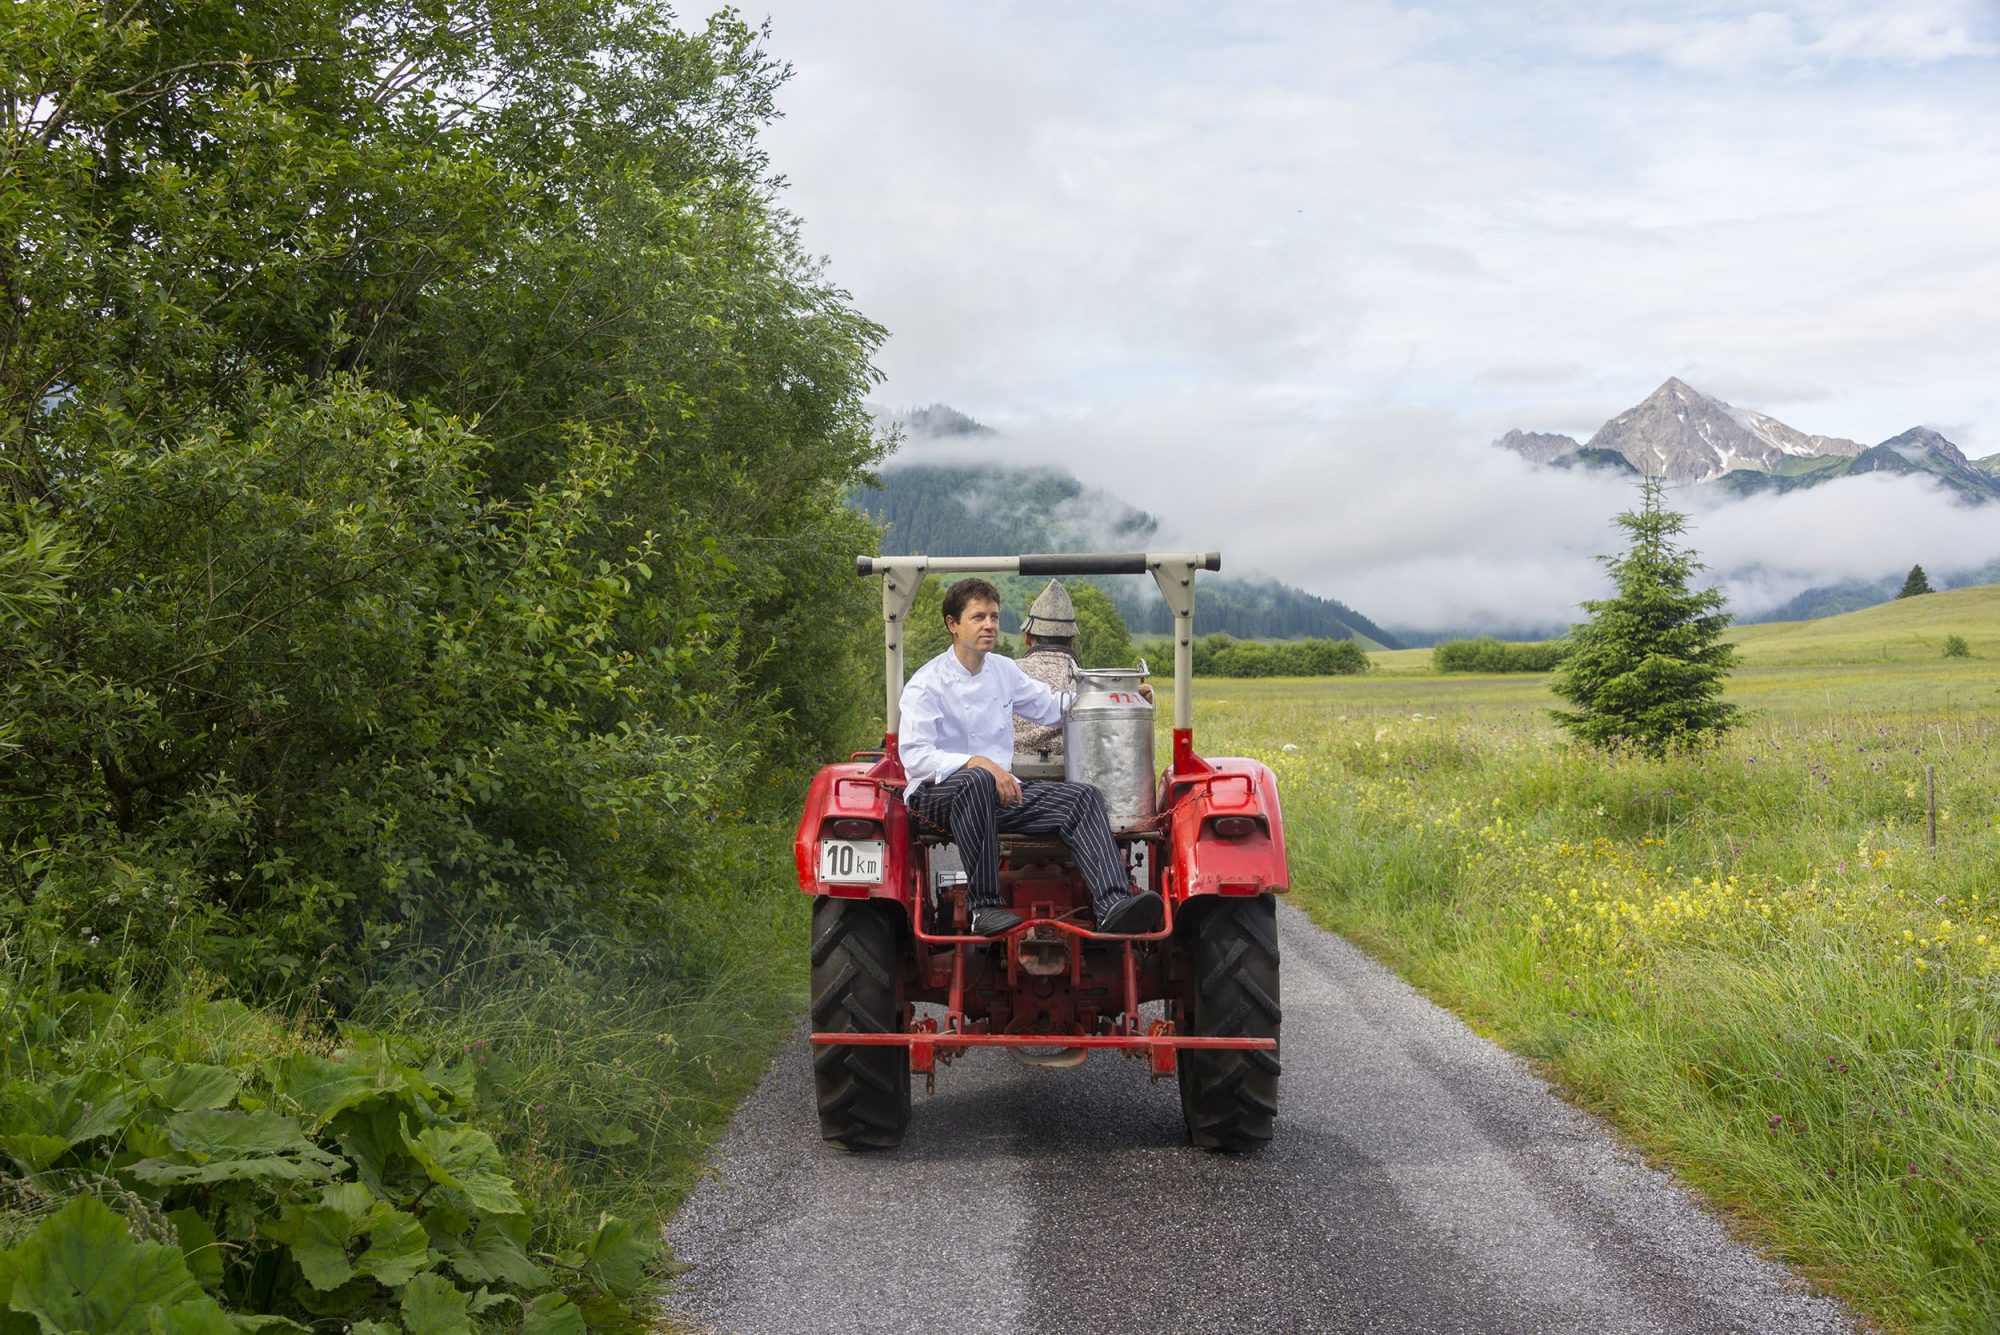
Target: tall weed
1750	958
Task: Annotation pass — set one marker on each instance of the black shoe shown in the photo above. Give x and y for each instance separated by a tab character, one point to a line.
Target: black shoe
1134	915
993	922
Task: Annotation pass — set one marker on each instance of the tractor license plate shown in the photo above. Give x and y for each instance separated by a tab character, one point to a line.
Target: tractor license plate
850	861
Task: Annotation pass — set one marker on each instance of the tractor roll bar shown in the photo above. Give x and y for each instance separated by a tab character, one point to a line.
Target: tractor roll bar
1059	563
1174	572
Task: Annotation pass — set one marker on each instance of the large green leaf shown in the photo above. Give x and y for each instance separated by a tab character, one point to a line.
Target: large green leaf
186	1087
199	1316
433	1306
398	1247
94	1103
324	1088
320	1248
465	1158
81	1270
498	1254
459	1081
230	1133
253	1322
372	1137
260	1168
357	1294
237	1146
199	1247
35	1128
616	1257
26	1107
552	1314
33	1150
485	1300
351	1199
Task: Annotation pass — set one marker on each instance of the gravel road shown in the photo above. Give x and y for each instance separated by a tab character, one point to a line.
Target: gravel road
1421	1180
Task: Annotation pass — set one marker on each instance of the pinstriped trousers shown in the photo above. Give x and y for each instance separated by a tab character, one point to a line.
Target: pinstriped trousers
967	804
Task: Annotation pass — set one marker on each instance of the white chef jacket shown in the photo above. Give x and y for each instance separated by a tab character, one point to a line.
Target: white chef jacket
951	715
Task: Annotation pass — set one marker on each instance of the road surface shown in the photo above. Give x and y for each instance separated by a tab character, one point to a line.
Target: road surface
1421	1180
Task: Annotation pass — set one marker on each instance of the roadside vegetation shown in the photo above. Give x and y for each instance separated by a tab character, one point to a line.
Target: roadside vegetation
1221	656
1749	957
423	564
1488	655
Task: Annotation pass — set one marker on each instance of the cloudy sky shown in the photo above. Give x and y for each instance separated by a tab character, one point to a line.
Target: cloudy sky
1279	272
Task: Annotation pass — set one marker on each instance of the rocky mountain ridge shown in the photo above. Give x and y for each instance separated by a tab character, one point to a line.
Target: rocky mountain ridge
963	509
1685	436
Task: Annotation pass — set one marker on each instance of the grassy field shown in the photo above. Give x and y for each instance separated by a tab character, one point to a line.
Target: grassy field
1905	631
1750	959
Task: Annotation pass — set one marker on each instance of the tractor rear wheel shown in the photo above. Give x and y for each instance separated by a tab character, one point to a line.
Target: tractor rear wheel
863	1092
1230	1096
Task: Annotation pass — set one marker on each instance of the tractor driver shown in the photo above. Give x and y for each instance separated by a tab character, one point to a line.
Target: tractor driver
1050	631
957	743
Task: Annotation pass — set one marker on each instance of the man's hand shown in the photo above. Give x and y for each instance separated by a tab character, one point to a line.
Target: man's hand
1147	691
1006	786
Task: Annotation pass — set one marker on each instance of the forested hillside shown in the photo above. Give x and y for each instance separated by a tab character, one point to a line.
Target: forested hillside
946	510
423	446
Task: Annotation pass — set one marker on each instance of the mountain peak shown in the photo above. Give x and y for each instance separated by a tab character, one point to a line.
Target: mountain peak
1924	439
935	421
1538	447
1683	435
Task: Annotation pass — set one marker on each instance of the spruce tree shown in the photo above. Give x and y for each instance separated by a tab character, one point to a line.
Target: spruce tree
1647	669
1915	583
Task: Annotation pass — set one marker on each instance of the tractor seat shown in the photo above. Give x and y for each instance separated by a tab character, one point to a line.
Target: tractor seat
1011	845
926	835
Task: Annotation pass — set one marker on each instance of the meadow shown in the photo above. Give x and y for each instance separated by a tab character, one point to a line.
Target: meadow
1750	959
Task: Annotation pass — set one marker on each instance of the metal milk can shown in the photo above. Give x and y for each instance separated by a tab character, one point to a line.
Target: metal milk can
1108	741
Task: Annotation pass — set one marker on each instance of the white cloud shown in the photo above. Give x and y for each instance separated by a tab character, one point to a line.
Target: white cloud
1812	37
1278	272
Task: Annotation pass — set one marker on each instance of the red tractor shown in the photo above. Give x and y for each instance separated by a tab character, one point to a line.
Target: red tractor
890	927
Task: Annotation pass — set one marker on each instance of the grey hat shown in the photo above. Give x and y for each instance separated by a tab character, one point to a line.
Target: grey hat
1051	615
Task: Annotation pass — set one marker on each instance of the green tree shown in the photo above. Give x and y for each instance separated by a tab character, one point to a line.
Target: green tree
1647	669
422	452
1914	583
1101	638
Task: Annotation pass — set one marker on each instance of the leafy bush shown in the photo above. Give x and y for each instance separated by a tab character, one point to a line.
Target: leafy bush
216	1162
1956	647
1221	656
425	448
409	497
1486	654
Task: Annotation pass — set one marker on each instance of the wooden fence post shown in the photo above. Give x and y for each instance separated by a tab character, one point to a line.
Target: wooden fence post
1930	806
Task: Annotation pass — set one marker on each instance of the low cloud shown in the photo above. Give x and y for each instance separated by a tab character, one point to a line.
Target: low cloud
1766	550
1418	523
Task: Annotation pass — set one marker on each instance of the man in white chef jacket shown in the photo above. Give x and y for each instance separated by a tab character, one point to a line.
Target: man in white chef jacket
957	744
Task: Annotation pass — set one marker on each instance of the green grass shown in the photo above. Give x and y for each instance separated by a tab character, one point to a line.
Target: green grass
605	1068
1748	958
1907	630
617	1063
612	1079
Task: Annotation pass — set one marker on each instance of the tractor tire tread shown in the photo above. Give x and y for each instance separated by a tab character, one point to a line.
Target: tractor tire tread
863	1093
1230	1097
